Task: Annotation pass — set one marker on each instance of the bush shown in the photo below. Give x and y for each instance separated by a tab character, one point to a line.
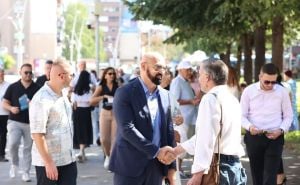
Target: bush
292	141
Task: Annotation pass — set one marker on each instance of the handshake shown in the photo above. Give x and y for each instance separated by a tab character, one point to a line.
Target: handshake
167	154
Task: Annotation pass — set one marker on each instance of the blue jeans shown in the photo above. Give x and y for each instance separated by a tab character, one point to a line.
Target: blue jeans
232	171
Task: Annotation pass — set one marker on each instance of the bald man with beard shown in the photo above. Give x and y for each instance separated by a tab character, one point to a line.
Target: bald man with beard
142	153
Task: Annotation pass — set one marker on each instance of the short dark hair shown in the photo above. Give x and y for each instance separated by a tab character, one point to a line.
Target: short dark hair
289	73
26	65
270	69
49	62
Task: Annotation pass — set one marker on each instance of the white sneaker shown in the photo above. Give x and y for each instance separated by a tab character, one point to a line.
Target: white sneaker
26	177
13	171
106	162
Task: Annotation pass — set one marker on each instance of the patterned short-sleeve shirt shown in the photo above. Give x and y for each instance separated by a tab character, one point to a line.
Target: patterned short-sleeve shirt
51	114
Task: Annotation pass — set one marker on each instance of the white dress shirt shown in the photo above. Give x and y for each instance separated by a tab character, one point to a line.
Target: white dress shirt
266	110
204	143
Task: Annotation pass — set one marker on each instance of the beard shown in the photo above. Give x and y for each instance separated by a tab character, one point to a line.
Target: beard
156	79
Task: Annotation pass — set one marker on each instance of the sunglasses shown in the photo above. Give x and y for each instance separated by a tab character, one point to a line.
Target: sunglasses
267	82
28	72
111	74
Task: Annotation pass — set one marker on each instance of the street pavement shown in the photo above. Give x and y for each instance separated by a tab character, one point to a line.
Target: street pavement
92	172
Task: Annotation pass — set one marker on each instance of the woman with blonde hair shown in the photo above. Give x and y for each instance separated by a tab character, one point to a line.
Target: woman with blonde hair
105	92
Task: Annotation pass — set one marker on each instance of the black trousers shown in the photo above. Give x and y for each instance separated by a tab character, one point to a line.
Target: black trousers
67	175
152	176
264	155
3	133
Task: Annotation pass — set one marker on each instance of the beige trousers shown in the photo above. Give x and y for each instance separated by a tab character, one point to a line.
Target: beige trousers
108	130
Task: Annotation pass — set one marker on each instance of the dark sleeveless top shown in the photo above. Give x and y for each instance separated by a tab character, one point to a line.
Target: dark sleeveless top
106	91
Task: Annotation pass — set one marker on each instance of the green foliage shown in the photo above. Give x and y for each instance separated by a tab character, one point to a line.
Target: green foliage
293	137
292	141
212	25
78	13
8	60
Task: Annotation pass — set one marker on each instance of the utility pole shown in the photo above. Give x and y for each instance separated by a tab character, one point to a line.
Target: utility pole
18	22
97	23
72	40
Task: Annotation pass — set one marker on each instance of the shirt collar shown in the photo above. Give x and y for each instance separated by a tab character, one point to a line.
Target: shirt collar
50	91
180	76
217	89
146	90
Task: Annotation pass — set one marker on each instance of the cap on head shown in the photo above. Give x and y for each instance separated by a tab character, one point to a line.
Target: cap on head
184	64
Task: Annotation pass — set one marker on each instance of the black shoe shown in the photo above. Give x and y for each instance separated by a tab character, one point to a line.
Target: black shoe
3	159
98	141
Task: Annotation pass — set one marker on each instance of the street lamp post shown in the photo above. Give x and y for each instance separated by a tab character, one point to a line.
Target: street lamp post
97	23
18	22
72	41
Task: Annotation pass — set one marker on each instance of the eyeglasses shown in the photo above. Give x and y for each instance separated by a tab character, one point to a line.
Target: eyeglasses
28	72
111	74
267	82
68	74
158	67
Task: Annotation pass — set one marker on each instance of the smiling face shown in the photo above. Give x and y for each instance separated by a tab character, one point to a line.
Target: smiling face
154	71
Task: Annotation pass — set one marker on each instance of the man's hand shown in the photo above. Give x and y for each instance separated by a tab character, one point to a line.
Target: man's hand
196	179
196	101
166	155
178	150
274	134
176	136
51	171
254	131
172	176
178	120
14	110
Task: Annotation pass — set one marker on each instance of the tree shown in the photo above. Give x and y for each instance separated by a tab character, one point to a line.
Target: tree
78	35
8	61
219	25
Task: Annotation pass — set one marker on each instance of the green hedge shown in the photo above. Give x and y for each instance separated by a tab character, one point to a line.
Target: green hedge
292	141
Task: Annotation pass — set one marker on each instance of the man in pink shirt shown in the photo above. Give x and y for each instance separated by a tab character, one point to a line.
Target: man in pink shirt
266	115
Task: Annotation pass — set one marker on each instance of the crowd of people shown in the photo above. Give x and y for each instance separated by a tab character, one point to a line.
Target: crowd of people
147	122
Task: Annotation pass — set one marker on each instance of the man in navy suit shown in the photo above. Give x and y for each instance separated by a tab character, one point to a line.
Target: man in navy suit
143	152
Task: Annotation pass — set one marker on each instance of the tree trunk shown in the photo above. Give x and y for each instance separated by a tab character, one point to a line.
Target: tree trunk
247	58
227	55
260	49
239	58
277	42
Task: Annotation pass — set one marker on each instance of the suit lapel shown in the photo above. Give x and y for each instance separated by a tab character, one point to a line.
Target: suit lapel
163	127
140	99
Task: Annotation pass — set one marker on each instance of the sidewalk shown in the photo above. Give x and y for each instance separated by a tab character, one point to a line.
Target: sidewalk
93	173
89	173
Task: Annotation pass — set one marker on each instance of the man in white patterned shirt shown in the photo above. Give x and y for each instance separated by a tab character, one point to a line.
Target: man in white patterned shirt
52	130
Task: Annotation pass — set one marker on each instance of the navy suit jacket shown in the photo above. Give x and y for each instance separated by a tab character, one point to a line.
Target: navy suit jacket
133	148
